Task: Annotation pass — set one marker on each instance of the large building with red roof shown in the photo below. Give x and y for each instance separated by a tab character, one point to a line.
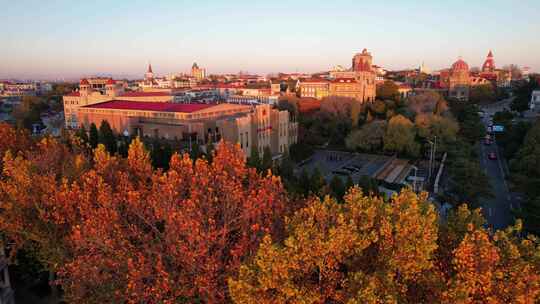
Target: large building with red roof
98	90
252	127
153	114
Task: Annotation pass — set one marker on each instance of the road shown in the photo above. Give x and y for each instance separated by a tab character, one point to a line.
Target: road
497	209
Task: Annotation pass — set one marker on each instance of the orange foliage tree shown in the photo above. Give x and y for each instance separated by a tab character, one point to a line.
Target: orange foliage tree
371	251
164	237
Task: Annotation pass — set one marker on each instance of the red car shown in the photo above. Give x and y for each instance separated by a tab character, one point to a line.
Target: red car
492	155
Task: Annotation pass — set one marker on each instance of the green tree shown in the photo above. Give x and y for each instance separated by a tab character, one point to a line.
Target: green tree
82	135
388	90
209	151
368	138
28	111
400	136
254	160
468	181
526	175
444	128
349	183
94	136
267	159
106	137
317	182
482	94
337	187
195	151
368	185
304	182
523	93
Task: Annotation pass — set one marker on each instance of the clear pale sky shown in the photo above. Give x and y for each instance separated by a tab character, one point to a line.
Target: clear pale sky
55	39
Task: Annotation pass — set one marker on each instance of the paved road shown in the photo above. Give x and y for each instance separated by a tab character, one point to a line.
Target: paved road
497	209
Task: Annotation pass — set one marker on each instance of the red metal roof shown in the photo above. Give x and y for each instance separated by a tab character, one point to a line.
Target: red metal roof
145	94
74	94
111	81
84	81
150	106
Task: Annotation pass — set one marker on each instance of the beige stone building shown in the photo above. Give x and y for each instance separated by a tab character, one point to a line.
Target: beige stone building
251	126
364	75
317	88
197	72
347	87
97	90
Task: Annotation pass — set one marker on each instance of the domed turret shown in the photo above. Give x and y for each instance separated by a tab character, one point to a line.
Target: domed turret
459	66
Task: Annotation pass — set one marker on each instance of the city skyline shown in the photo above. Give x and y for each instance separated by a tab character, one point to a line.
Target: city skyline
95	39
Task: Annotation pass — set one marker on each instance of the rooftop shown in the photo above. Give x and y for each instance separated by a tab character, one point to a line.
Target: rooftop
145	94
150	106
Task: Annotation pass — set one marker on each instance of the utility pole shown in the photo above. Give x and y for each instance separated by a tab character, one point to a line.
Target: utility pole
6	293
430	159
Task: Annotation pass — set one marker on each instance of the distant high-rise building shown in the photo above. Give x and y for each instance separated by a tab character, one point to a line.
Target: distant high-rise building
198	73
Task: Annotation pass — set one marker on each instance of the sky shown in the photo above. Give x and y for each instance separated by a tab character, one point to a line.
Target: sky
72	39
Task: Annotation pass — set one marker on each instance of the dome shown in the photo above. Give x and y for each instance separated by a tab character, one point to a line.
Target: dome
84	81
111	81
460	65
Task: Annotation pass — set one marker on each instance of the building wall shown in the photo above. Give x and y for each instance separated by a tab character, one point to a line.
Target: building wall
317	90
351	89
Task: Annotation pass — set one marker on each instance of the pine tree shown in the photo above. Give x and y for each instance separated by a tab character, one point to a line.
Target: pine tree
106	137
81	134
94	136
254	160
337	187
267	159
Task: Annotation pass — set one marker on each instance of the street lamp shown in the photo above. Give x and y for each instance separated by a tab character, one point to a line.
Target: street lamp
431	156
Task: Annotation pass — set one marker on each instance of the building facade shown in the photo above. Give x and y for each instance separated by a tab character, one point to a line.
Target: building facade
198	73
347	87
97	90
534	105
252	127
363	73
317	88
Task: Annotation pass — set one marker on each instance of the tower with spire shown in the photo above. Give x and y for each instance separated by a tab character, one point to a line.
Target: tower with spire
149	75
489	64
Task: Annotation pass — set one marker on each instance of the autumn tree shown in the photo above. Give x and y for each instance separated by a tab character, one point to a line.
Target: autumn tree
427	103
361	251
366	250
400	136
388	90
162	237
368	138
444	128
30	218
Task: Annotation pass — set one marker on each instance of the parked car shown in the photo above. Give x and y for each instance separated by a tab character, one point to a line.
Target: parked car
492	155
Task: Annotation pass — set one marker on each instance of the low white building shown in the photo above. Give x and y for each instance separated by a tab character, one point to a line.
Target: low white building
534	104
